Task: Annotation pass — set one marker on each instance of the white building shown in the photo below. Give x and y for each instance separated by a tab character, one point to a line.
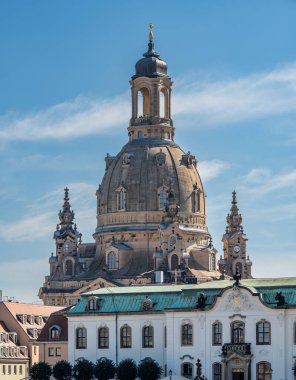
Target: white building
237	331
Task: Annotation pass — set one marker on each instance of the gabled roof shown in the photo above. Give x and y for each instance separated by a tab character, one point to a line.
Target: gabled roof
182	297
56	319
17	309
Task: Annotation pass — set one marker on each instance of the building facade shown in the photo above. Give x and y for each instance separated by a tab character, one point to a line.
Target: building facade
53	339
27	321
242	330
151	208
14	359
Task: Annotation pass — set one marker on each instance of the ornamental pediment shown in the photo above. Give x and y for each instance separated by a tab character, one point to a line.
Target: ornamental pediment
238	300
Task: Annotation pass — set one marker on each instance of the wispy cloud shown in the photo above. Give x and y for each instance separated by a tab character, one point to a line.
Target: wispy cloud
41	218
199	102
212	169
260	181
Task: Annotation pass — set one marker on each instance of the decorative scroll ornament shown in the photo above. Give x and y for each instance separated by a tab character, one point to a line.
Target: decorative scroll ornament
146	304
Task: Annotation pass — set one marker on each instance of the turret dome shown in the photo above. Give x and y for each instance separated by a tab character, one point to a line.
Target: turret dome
151	65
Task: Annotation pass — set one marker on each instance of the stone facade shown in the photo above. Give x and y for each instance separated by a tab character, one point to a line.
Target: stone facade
239	330
151	212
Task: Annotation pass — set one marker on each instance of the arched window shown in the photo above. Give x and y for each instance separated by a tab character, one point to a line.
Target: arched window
68	268
217	334
187	335
148	337
121	200
239	268
112	260
93	304
163	103
195	197
217	371
54	332
263	332
237	332
187	370
163	199
143	100
264	371
81	338
103	337
174	262
125	337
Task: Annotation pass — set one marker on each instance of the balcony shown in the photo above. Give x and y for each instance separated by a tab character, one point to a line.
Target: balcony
240	349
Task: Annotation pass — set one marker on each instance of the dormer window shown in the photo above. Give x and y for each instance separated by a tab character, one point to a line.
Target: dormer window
112	260
93	303
55	332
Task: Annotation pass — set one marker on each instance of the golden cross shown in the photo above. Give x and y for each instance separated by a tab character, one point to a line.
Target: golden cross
151	33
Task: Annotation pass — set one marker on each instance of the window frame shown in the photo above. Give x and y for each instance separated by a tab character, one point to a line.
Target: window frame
57	329
148	336
81	338
266	371
187	374
187	334
125	336
263	334
217	335
240	339
217	371
103	340
51	352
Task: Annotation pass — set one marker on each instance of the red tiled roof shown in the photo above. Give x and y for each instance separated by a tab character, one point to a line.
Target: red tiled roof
56	319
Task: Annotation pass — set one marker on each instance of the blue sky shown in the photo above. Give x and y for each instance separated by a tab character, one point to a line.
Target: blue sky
65	103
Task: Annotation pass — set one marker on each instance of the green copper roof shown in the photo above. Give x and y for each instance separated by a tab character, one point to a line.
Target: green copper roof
177	297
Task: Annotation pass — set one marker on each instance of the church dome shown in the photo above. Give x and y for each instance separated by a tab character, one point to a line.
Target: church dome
146	176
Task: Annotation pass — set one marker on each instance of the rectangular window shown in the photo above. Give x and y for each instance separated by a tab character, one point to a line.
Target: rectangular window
147	337
217	334
14	370
9	370
103	337
20	369
187	335
263	332
58	351
126	337
4	370
50	351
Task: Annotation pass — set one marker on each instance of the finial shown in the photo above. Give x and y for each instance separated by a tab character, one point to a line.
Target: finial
234	197
151	36
66	193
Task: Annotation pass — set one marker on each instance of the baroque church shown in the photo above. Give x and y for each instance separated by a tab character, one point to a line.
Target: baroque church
151	212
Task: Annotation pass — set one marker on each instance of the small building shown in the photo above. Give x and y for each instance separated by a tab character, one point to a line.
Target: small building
14	359
242	330
53	339
27	320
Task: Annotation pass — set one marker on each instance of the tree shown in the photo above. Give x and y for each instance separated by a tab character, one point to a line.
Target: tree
104	369
149	369
127	370
83	370
62	370
40	371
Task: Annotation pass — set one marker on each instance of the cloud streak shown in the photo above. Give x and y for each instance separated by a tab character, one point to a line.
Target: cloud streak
202	102
42	216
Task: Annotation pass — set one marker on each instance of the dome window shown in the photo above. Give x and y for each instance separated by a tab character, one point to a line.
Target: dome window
162	198
112	260
121	199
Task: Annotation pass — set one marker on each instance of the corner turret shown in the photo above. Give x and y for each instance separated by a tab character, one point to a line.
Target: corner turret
235	245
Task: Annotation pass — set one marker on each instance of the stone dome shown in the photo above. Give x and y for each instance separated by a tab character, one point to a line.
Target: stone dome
143	169
151	65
